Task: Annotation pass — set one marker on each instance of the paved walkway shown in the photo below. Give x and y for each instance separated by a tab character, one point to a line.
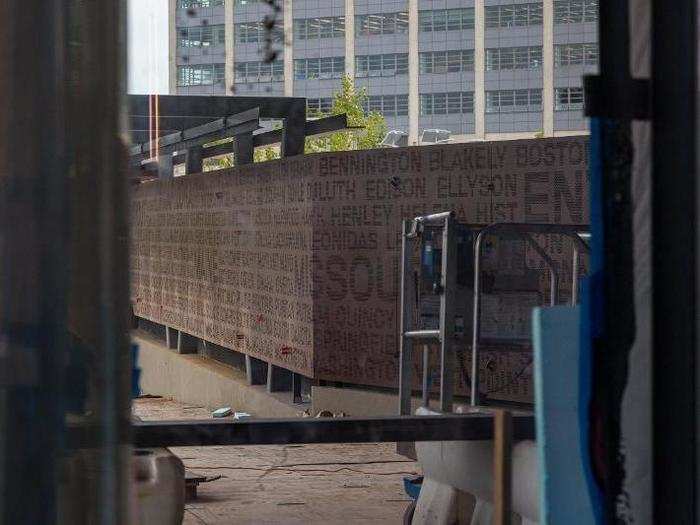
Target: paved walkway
292	484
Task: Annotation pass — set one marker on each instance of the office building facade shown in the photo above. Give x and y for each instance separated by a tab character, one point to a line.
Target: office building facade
482	69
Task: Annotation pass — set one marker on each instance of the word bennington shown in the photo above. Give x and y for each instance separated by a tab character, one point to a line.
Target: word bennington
296	261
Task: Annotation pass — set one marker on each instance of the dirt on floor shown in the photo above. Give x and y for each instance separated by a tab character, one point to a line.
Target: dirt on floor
289	484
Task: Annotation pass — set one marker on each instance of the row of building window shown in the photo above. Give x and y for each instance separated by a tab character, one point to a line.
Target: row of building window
392	64
575	11
200	75
387	105
513	15
575	54
326	27
319	105
504	58
568	98
452	61
255	32
381	24
201	36
311	68
257	71
446	19
387	65
497	16
186	4
456	102
513	100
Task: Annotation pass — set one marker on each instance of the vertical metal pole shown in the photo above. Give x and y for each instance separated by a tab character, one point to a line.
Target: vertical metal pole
574	276
426	376
553	287
405	344
476	328
448	283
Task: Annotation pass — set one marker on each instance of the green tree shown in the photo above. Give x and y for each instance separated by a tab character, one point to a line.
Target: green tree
352	102
371	129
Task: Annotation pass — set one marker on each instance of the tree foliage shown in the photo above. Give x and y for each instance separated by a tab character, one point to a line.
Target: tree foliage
352	102
371	129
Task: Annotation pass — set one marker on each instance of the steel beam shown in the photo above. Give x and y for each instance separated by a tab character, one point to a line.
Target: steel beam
180	112
468	427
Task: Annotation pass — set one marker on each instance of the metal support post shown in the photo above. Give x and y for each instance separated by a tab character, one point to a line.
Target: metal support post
448	283
405	325
426	376
193	160
243	149
296	388
574	276
278	379
255	371
165	166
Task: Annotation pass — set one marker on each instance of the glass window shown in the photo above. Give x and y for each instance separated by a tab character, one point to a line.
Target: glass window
186	4
425	62
513	58
326	27
439	103
402	64
255	32
446	19
299	70
513	15
446	61
402	22
568	99
575	54
361	65
575	11
425	21
444	103
510	101
401	105
439	20
375	65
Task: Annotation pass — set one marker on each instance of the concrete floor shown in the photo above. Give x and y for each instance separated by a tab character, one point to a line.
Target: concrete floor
293	484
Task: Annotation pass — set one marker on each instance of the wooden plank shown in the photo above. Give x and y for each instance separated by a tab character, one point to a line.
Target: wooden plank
502	466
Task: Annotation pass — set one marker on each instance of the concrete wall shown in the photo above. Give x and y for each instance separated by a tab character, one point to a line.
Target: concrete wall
296	261
196	380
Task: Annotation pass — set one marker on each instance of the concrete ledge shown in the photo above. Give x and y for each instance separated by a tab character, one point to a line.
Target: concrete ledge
196	380
359	403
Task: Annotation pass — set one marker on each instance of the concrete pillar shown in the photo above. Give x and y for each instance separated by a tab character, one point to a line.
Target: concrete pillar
296	387
228	46
548	68
278	379
186	343
350	38
193	160
288	49
172	47
255	371
171	336
479	70
165	166
413	95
